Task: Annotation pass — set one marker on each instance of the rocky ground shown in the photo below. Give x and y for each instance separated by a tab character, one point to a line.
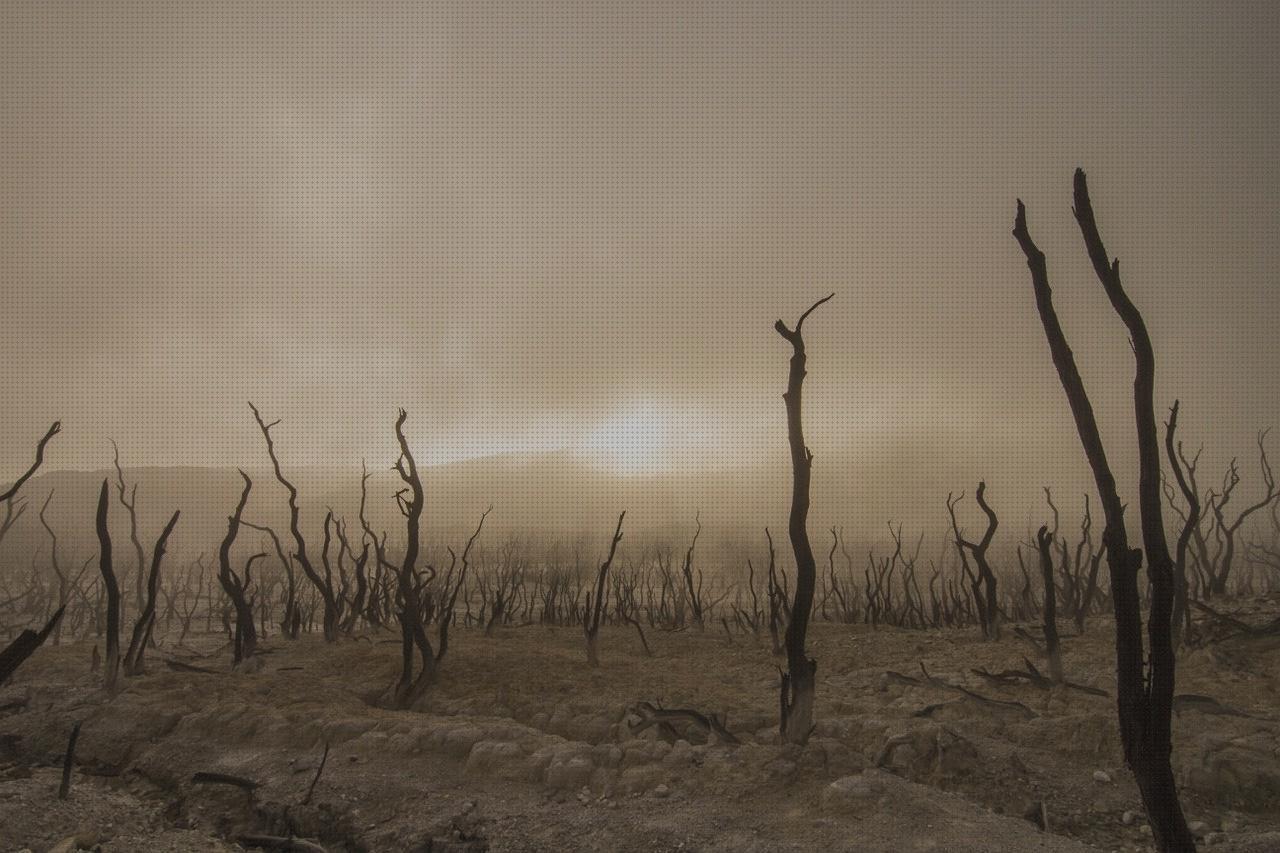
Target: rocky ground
522	747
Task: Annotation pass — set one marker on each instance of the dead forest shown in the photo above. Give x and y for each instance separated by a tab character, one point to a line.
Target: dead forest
964	650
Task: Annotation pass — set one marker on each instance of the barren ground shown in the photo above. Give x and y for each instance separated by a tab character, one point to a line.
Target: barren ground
522	747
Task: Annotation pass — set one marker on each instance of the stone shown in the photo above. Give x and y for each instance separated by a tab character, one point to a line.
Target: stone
571	773
853	793
496	758
1101	776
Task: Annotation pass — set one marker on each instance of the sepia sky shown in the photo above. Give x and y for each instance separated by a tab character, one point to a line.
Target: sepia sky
543	226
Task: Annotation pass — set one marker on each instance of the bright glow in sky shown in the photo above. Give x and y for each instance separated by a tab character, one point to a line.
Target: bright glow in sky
634	440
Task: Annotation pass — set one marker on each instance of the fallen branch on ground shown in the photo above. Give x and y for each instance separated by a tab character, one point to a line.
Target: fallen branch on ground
653	715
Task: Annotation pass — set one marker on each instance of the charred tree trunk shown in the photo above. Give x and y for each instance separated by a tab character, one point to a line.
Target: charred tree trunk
300	544
129	500
799	682
133	659
111	664
1144	693
25	645
245	638
595	606
1052	645
413	633
1181	606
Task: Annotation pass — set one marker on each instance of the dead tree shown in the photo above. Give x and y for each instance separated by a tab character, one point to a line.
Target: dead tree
300	545
291	619
64	580
985	598
133	658
111	665
1052	646
1181	618
1227	530
245	640
696	600
1144	692
12	491
449	598
129	500
413	633
25	645
799	683
595	605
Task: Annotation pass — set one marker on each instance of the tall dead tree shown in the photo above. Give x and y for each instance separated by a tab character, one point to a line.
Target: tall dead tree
133	658
64	579
985	599
453	586
245	641
26	643
129	500
1144	691
594	606
799	683
111	665
413	632
291	619
300	544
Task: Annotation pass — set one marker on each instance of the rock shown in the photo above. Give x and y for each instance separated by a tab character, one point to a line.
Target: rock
853	793
1244	769
662	792
1101	776
1145	829
1198	828
497	758
780	768
636	780
571	773
1128	818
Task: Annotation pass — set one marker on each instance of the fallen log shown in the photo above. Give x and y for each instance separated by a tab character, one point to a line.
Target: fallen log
209	778
708	724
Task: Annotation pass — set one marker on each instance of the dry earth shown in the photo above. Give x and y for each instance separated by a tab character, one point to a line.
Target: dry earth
522	747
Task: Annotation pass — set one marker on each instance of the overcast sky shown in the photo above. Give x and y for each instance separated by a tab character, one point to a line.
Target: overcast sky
572	225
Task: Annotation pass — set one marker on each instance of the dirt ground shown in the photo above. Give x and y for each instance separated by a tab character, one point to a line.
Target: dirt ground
522	747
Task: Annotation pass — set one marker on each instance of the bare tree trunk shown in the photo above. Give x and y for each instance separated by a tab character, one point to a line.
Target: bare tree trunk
133	659
1144	706
245	638
330	622
1181	606
595	606
111	665
14	654
129	500
413	633
799	682
1053	647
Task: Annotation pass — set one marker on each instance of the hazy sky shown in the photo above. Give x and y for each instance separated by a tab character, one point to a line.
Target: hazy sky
572	225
